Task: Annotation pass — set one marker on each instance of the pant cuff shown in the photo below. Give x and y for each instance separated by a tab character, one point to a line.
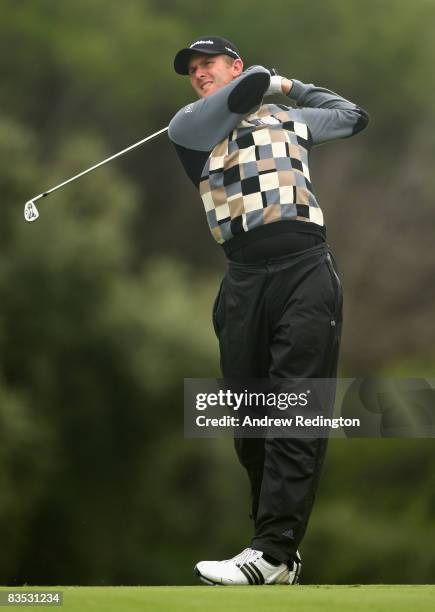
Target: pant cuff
268	549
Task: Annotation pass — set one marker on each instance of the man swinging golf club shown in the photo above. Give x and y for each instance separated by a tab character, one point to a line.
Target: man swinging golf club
278	313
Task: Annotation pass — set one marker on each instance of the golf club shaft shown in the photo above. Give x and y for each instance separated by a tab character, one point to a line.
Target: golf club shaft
105	161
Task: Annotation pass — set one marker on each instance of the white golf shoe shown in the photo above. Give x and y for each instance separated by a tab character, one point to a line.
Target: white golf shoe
248	567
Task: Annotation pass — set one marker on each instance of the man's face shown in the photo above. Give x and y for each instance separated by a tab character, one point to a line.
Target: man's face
208	73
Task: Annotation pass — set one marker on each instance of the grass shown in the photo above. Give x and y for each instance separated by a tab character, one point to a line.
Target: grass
324	598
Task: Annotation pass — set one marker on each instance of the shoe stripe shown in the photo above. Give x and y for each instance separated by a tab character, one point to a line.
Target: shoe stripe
258	572
297	569
248	574
255	576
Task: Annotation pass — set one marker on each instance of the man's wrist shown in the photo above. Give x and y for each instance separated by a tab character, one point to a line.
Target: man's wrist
286	86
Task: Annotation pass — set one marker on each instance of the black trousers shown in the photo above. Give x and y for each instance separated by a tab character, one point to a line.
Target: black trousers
280	318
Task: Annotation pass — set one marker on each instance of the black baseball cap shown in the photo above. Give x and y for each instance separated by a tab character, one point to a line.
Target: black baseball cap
211	45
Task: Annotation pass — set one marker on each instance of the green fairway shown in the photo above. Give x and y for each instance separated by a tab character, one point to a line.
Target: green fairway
327	598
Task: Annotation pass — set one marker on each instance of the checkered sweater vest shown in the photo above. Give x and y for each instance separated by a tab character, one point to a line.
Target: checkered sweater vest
250	162
259	175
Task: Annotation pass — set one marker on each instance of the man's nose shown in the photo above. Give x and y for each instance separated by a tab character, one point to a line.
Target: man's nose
201	72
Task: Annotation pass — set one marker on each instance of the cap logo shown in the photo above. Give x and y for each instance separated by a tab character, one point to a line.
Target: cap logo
202	42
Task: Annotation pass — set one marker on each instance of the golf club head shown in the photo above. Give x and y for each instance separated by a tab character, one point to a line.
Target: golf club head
30	211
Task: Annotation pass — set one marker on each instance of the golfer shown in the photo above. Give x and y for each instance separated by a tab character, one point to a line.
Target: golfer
278	313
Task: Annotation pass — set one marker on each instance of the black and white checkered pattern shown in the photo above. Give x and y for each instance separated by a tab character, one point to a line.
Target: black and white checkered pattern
259	174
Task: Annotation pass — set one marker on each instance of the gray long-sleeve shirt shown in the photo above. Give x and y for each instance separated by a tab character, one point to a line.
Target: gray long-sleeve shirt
250	161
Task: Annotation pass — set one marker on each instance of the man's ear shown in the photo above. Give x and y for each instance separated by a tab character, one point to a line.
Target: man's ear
237	67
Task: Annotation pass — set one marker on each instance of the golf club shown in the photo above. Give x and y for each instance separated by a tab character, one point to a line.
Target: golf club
31	212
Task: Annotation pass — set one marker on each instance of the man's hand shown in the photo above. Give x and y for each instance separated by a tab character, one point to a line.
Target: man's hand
278	84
